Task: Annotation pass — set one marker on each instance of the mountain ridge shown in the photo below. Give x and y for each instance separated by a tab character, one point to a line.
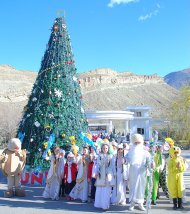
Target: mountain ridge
178	79
102	89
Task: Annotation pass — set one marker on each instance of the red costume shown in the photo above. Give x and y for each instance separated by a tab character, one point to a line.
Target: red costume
69	185
90	166
73	172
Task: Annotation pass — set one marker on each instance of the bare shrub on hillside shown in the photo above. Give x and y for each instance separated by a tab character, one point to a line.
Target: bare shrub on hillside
9	118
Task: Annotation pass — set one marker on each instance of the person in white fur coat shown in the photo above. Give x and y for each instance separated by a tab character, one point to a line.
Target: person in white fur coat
139	160
55	174
119	191
80	190
105	178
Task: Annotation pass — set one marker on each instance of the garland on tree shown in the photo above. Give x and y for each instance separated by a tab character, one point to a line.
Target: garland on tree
54	111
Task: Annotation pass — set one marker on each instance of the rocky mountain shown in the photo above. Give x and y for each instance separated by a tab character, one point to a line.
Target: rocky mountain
102	89
105	89
15	85
178	79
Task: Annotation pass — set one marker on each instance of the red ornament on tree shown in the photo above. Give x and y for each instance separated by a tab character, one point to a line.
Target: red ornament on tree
49	103
55	27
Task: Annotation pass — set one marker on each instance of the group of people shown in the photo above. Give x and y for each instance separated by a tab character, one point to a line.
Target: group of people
103	173
102	177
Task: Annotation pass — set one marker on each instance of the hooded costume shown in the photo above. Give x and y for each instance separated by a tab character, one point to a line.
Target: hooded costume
105	179
54	177
70	174
139	160
12	163
176	167
119	190
80	190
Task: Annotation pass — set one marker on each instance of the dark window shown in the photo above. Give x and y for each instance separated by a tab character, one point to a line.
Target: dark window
97	128
140	131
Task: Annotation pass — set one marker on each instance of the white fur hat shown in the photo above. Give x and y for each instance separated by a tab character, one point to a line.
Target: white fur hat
14	145
120	146
62	151
70	155
137	138
114	143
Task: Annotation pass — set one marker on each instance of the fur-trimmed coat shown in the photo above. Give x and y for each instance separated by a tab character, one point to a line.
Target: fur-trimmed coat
106	170
12	163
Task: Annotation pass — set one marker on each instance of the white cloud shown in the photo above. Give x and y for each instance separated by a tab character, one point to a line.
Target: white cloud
113	2
150	15
158	6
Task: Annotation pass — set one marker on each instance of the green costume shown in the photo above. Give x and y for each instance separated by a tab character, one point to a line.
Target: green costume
156	174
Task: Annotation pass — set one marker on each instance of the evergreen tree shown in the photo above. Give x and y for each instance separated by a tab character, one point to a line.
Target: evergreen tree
54	111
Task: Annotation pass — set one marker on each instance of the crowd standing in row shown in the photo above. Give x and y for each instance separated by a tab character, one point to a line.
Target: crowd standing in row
103	175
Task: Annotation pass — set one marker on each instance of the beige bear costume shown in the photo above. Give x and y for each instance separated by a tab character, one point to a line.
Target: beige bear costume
12	162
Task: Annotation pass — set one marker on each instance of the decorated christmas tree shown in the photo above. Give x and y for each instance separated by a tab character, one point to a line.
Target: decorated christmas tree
54	115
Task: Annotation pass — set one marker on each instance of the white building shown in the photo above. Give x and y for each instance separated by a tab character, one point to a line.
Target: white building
141	122
137	120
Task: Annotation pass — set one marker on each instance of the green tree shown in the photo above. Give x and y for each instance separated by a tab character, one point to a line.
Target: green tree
54	109
180	115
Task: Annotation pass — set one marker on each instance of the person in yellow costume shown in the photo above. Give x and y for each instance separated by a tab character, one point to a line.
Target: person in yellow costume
176	167
171	143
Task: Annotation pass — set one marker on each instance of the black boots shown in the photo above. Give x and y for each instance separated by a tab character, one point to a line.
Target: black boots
180	206
175	203
153	202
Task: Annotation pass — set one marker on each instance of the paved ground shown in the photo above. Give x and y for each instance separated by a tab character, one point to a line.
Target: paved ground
33	203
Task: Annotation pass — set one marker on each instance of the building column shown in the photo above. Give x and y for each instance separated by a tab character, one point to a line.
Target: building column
126	127
147	130
110	126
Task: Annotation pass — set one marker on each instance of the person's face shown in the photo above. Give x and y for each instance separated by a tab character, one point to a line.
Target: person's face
105	149
56	151
85	151
159	149
120	151
69	158
114	147
92	151
137	143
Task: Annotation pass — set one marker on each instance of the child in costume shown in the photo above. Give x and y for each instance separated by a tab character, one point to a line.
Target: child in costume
92	171
104	178
80	191
169	143
70	174
114	148
12	163
61	171
150	147
176	167
119	190
158	164
55	175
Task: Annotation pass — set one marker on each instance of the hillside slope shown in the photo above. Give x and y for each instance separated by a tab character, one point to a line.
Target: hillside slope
178	79
102	89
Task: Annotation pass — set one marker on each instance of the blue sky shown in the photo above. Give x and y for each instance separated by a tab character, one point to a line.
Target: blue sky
142	36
